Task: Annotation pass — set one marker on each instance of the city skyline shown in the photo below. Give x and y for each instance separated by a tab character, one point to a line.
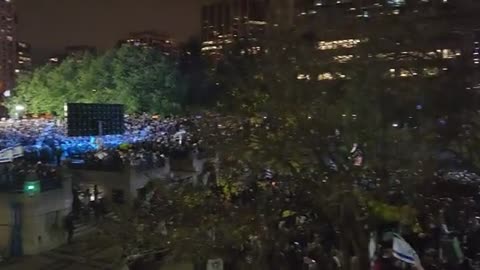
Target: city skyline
51	25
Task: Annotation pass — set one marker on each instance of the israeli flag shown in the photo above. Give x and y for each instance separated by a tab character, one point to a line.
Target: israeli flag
403	251
179	136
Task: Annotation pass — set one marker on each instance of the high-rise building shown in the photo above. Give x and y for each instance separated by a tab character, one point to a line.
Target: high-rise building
439	32
476	49
8	45
24	58
151	39
76	51
79	50
226	21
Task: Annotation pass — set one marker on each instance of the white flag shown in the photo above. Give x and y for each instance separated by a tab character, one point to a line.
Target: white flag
372	246
17	151
404	252
6	155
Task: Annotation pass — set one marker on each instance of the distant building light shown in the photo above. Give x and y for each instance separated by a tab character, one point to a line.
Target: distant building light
257	22
303	77
325	76
338	44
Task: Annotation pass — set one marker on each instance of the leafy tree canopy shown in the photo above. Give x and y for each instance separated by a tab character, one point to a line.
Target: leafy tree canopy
141	78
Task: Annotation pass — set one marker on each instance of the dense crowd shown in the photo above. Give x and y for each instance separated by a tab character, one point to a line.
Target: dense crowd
145	144
446	234
46	140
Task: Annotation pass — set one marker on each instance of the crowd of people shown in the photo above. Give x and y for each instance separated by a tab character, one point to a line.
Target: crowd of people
45	139
445	236
145	144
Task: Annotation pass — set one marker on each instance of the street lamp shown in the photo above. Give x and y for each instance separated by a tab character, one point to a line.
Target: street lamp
19	109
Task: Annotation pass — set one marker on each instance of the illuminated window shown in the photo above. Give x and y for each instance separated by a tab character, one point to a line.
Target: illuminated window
338	44
449	54
407	73
303	77
325	76
392	73
385	56
328	76
343	58
210	48
432	71
396	3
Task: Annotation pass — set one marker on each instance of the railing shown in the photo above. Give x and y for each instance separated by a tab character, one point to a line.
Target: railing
114	167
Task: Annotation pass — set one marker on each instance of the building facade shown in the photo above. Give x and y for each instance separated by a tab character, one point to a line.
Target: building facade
420	37
24	58
76	51
151	39
8	45
224	22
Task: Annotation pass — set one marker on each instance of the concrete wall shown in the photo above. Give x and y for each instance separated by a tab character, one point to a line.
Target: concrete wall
5	223
138	179
42	219
106	181
128	180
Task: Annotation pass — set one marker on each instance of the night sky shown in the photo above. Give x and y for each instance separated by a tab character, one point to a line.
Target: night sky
50	25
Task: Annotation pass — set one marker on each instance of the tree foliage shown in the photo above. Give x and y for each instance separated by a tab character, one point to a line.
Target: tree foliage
349	153
278	116
141	78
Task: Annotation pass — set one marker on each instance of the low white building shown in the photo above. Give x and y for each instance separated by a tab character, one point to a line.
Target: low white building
30	224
